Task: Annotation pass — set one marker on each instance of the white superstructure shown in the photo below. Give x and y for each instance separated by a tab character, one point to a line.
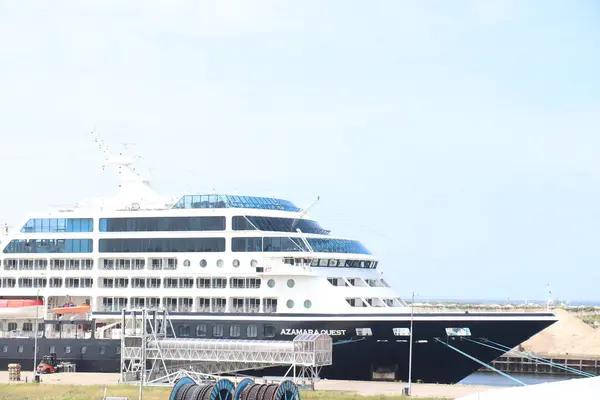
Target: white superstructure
190	254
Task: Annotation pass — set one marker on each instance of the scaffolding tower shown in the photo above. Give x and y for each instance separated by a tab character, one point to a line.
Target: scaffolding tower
149	356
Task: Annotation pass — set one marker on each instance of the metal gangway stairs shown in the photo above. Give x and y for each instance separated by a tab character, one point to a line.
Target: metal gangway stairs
149	356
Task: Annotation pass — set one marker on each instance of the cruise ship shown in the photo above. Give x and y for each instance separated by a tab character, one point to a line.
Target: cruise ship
224	266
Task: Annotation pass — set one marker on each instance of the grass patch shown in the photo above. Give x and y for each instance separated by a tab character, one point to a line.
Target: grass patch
32	391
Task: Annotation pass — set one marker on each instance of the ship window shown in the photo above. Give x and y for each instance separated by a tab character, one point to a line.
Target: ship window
118	350
337	246
68	349
24	246
291	283
220	263
270	305
162	245
58	225
83	350
251	331
234	331
290	304
217	330
52	349
236	263
237	283
27	327
219	283
102	350
246	244
307	304
271	283
458	331
401	331
203	283
184	331
253	283
203	263
20	349
253	263
12	326
5	349
10	264
162	224
55	282
364	332
274	224
186	263
201	330
269	331
283	244
226	201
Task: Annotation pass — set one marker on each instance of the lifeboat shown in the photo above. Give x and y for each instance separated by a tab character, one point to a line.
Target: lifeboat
72	309
21	308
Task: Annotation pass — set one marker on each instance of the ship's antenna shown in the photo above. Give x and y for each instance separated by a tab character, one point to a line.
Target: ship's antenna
303	214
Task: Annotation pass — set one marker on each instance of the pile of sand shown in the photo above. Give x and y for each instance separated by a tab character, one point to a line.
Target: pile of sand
590	345
569	335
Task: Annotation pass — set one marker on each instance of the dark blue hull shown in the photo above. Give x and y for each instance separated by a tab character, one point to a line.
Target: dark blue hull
354	357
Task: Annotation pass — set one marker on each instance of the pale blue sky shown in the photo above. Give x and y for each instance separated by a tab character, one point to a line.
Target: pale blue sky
458	140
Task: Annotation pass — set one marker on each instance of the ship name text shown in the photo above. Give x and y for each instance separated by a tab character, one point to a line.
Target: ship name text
332	332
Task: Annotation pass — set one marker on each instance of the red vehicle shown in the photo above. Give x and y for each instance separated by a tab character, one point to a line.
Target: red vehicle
49	365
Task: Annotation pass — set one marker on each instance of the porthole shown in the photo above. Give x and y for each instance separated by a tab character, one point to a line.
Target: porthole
307	304
186	263
236	263
203	263
52	349
20	349
291	283
68	349
290	304
5	349
254	263
271	283
83	350
220	263
102	350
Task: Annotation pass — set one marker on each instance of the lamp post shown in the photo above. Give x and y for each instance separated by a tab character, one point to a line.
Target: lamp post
410	346
35	337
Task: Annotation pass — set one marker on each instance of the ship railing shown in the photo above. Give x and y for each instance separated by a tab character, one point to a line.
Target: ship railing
68	335
20	335
245	309
460	309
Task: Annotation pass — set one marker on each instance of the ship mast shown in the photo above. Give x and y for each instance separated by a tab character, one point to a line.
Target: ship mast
132	186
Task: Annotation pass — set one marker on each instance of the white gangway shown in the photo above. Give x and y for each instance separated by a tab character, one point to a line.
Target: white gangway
145	347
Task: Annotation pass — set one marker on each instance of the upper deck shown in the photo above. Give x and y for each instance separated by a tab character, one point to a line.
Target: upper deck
228	201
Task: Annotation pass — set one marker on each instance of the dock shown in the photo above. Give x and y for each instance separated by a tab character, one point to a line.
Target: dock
518	365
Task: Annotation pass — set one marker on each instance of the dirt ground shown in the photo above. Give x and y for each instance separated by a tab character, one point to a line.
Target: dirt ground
363	388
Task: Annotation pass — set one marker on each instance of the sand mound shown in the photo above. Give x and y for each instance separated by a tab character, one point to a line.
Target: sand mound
569	335
590	345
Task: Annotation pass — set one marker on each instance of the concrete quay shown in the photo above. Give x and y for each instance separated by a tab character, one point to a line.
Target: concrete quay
359	387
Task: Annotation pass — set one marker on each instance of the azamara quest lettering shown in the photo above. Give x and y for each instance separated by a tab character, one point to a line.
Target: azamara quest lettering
333	332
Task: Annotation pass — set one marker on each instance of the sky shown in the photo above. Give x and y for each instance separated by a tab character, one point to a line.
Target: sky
459	141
